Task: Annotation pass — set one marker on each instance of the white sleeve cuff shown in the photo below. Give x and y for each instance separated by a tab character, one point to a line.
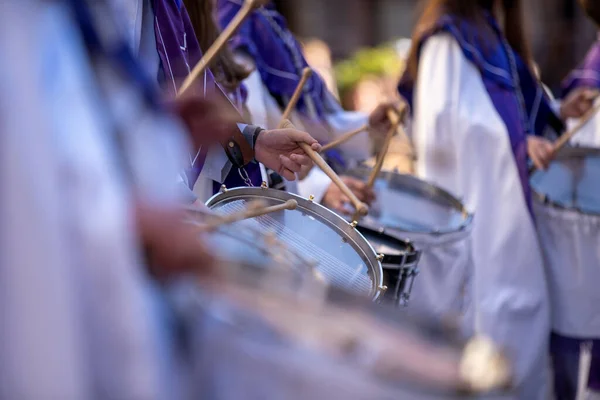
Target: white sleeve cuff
316	183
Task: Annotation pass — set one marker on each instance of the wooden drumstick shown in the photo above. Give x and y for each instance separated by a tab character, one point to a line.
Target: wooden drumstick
564	139
211	53
361	208
254	210
306	73
344	138
395	120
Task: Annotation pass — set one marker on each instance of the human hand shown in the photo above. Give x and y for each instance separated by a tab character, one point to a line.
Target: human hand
172	246
540	150
304	171
337	201
577	103
279	150
208	121
378	120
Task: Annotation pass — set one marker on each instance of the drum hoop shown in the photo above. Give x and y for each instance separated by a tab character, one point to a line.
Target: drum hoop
577	152
568	153
428	190
545	200
409	254
326	216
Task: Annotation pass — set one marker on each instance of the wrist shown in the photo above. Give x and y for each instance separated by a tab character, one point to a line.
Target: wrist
257	133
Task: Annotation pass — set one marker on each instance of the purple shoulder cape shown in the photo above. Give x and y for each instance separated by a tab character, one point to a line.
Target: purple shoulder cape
277	54
497	62
179	52
585	75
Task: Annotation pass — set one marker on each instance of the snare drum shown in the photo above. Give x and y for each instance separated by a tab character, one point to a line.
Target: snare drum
337	250
567	210
438	226
243	244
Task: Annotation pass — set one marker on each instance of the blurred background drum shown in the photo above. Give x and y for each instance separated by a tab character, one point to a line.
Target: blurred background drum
567	210
245	340
339	253
439	227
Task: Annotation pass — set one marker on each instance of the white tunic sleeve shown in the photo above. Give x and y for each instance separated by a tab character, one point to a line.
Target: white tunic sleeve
359	147
463	146
589	134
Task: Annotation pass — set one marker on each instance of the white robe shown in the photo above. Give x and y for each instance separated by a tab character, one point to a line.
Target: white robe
462	145
589	134
265	112
42	354
93	226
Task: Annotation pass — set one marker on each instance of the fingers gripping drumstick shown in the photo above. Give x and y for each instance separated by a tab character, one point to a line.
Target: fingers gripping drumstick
564	139
361	208
245	11
395	120
349	135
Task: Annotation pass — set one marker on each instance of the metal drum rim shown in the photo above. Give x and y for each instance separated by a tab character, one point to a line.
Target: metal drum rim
421	186
567	153
410	251
335	221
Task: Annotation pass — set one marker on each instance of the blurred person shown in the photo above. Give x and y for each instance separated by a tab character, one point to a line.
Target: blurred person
474	101
75	319
318	56
42	354
266	44
81	317
584	82
586	78
162	36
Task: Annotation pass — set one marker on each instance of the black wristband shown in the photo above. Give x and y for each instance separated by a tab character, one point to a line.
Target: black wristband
255	138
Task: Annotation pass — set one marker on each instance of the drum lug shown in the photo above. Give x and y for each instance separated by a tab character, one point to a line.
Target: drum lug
263	185
311	197
383	289
223	189
380	257
354	224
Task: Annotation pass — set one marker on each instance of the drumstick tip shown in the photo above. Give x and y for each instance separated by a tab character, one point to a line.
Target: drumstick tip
291	204
307	72
362	209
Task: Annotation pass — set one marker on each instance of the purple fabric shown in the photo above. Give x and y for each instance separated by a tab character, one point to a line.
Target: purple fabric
234	179
493	63
179	52
277	54
279	60
587	74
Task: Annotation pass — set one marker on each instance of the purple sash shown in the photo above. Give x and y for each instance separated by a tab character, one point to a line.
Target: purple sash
280	60
179	52
522	115
277	54
587	74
